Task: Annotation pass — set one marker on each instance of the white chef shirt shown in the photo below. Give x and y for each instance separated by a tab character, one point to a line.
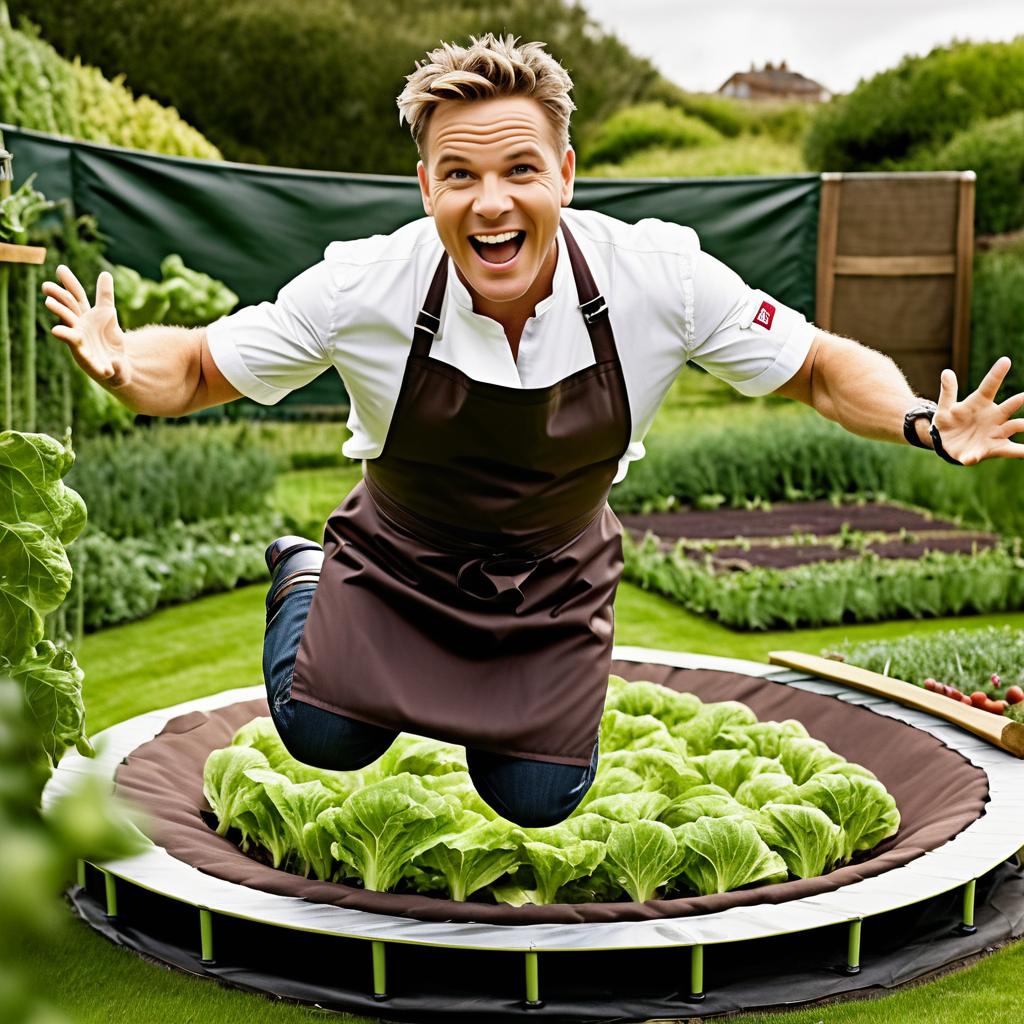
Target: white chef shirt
669	303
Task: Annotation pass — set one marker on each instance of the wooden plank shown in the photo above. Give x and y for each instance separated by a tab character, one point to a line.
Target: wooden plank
996	729
961	340
895	266
828	233
22	253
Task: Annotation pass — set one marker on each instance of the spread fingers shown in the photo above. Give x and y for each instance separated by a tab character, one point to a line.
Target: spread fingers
73	285
70	317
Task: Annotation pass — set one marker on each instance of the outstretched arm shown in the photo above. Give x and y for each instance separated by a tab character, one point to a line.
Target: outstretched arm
159	371
865	392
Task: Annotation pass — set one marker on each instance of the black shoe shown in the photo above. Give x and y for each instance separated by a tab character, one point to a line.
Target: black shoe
291	560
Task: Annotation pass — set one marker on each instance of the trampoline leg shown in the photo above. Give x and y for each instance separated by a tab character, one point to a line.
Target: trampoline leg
111	885
853	949
533	999
967	926
380	983
81	874
697	973
206	935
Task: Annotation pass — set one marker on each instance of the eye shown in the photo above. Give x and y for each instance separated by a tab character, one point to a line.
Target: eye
525	168
457	170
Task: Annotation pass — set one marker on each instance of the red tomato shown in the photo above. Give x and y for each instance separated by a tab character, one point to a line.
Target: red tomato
979	699
1015	694
964	699
930	684
997	707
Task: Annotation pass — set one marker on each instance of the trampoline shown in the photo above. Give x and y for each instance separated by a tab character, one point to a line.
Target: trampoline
948	886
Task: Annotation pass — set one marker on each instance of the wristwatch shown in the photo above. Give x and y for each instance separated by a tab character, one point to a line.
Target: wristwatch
926	409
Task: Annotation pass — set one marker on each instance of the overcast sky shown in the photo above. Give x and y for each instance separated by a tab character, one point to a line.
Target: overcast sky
700	43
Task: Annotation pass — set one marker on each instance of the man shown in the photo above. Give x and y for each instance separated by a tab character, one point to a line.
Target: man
504	360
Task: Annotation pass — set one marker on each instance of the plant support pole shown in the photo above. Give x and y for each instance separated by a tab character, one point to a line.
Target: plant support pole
380	979
81	874
28	407
5	349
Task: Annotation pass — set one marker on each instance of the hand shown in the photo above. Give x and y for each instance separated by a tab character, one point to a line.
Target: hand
977	428
92	333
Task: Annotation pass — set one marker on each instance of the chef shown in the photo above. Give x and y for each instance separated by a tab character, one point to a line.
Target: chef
504	357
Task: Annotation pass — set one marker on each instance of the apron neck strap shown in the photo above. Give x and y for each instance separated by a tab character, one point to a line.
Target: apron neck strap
592	305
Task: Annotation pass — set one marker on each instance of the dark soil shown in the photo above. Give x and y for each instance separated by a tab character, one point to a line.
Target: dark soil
820	518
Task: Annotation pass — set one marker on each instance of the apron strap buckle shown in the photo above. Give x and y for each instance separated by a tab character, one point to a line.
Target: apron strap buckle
594	308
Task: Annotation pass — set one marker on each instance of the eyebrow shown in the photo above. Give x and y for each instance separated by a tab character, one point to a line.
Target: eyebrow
529	152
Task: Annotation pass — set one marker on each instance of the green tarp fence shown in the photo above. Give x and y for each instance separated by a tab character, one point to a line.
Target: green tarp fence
255	228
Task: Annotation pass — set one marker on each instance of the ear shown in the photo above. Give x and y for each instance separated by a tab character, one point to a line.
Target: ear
568	172
421	174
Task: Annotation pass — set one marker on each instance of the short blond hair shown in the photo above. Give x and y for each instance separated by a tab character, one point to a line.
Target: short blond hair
491	66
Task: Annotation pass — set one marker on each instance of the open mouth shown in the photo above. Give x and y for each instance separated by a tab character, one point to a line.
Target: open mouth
500	247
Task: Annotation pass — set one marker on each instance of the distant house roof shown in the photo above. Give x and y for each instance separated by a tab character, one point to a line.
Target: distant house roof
771	82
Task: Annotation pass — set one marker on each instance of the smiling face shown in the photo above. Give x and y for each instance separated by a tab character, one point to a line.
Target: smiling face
495	182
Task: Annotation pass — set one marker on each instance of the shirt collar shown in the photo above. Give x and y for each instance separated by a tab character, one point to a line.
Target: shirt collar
460	293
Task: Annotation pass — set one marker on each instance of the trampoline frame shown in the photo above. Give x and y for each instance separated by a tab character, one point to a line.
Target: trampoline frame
993	838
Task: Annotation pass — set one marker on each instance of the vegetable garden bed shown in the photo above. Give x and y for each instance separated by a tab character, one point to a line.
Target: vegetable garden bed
815	563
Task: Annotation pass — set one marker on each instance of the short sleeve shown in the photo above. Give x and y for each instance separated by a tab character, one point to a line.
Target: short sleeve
742	335
268	350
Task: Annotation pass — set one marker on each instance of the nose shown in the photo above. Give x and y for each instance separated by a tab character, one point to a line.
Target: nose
492	197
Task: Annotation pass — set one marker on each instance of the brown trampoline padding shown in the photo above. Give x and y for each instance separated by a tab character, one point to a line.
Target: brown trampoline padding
938	792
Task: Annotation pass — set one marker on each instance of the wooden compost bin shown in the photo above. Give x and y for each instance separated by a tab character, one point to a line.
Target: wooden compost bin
894	268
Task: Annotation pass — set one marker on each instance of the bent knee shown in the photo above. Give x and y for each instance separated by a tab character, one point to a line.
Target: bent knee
325	740
533	802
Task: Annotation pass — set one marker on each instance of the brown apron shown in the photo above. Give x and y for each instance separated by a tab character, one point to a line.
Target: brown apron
468	579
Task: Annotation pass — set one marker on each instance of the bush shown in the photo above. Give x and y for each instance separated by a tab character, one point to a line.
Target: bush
997	313
649	124
916	106
42	91
995	150
964	658
124	580
315	110
138	483
744	155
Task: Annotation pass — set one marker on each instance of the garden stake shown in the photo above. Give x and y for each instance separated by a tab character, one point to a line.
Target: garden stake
81	874
28	409
697	973
967	925
380	987
853	949
111	884
533	999
206	935
5	350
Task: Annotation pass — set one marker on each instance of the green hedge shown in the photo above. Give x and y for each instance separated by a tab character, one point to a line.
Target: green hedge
326	71
138	483
997	315
639	127
964	658
916	106
41	90
123	580
995	150
865	589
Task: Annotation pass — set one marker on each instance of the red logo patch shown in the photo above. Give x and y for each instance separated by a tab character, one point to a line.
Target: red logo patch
765	315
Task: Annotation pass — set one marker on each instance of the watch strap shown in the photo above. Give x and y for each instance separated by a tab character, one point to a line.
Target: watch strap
939	450
926	409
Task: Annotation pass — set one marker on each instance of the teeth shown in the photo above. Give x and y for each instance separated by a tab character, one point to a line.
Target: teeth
495	239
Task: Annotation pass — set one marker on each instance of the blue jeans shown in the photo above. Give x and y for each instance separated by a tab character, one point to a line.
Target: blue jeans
530	793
